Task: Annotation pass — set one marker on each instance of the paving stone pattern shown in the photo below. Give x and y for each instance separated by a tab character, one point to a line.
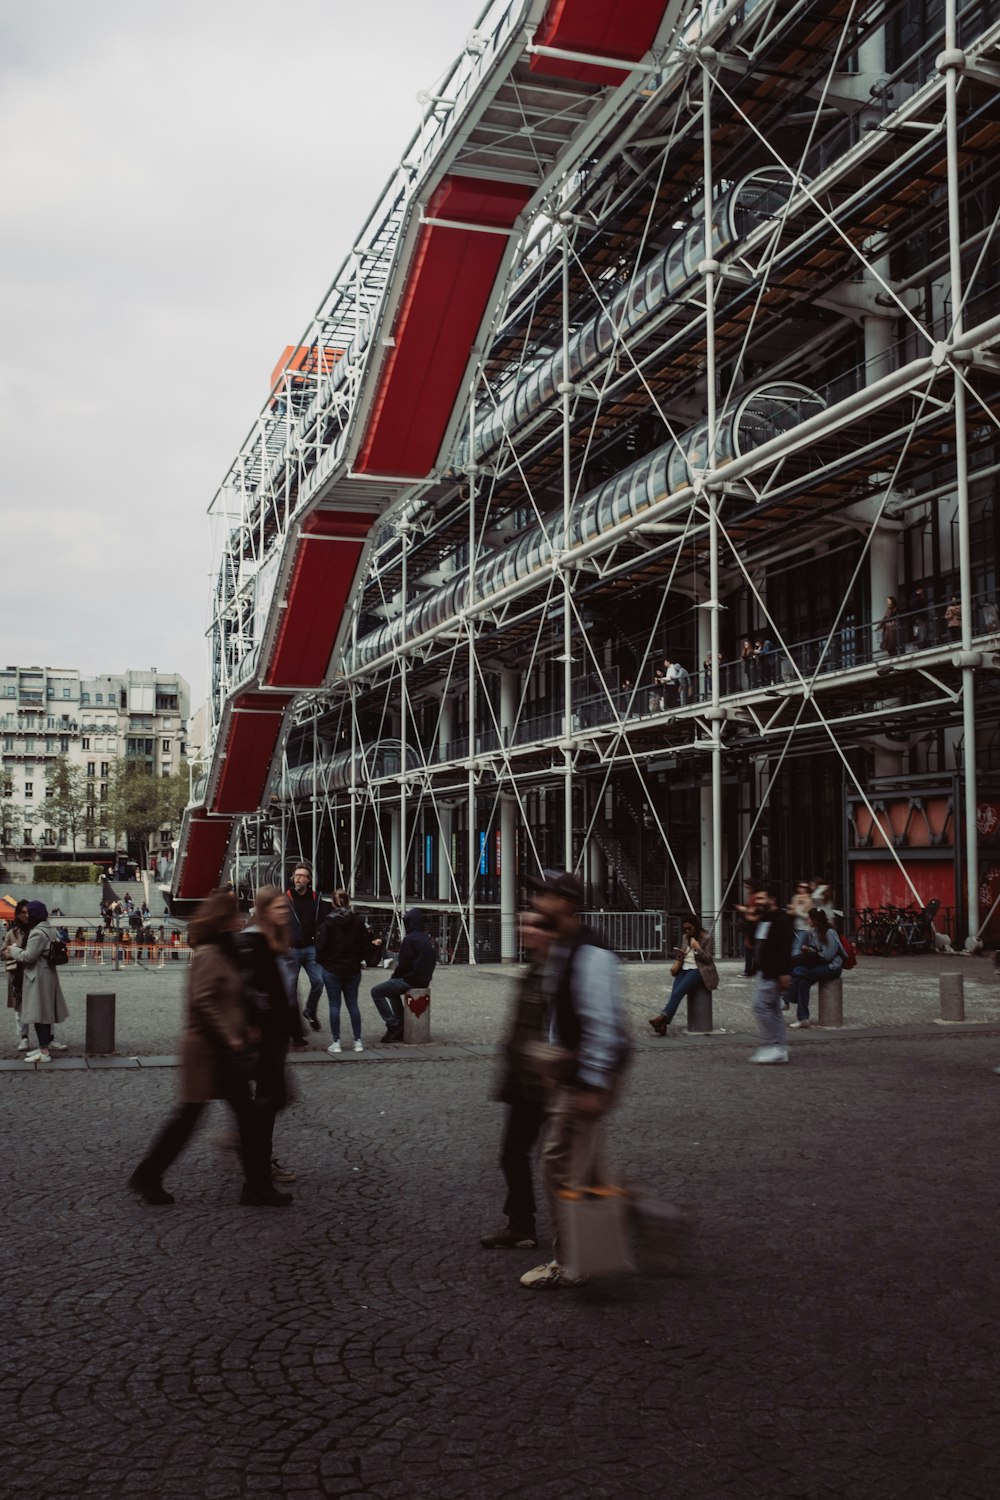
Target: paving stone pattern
469	1004
837	1335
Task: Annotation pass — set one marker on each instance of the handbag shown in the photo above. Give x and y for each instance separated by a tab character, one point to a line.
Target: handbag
593	1231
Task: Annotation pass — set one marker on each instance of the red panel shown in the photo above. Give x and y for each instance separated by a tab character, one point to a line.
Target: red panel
207	842
254	726
323	574
447	292
605	28
880	882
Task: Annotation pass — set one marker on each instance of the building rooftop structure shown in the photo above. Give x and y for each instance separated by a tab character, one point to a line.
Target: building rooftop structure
734	382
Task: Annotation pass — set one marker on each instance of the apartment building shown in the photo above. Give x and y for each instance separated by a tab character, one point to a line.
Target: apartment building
49	712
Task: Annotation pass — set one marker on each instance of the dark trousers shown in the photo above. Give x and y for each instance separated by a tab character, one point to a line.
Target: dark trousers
388	998
255	1127
525	1118
43	1031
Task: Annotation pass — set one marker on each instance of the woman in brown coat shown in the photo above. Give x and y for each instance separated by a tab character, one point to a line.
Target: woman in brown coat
217	1051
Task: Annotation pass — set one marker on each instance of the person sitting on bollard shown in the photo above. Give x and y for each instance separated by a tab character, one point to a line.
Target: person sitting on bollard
520	1089
43	1003
693	967
218	1058
819	957
414	970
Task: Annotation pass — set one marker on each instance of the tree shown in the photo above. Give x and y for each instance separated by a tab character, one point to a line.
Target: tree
11	815
65	804
140	804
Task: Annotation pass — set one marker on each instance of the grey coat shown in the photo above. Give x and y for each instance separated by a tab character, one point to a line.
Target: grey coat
42	999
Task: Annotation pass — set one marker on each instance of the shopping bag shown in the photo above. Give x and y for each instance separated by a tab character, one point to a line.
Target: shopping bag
593	1231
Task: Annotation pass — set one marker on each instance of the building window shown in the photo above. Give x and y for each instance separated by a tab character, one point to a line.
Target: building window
85	743
84	697
52	746
66	692
27	835
98	697
166	746
29	746
8	742
91	768
104	768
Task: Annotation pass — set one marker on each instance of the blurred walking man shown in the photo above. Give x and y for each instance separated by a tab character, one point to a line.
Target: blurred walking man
586	1027
774	933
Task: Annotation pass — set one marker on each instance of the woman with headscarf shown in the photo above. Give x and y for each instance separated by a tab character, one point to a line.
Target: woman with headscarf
42	1000
218	1058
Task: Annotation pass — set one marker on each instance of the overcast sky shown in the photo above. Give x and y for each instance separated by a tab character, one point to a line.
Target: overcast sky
179	181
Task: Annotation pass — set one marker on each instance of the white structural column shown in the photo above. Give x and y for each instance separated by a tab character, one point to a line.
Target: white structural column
404	724
566	391
446	733
395	855
508	827
472	850
951	62
711	892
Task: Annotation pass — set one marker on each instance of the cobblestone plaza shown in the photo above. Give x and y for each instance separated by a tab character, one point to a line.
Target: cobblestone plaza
835	1335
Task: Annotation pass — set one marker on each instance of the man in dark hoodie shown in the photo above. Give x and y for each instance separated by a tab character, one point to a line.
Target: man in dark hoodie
774	933
305	912
413	971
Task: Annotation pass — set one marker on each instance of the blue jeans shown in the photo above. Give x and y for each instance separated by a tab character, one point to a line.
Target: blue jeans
305	958
388	998
685	983
766	1006
804	975
338	989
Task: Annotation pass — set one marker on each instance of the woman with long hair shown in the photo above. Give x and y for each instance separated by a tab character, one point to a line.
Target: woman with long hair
217	1059
820	957
17	936
343	943
694	966
274	1012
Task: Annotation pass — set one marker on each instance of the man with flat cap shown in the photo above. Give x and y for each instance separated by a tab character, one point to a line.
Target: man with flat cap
586	1024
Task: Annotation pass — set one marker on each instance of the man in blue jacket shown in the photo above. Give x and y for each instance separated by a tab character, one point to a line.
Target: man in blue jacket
413	971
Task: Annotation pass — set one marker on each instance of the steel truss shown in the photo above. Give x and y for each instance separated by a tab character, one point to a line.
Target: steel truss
662	475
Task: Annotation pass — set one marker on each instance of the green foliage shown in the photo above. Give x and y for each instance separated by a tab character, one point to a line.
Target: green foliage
141	804
65	801
67	874
11	814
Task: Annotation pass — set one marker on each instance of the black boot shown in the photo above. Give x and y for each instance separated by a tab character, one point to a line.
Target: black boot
150	1189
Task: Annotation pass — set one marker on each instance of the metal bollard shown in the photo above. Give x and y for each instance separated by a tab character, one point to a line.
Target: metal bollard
831	1002
699	1012
100	1025
416	1017
952	990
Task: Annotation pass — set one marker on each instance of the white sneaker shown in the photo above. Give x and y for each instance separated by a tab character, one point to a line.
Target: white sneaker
798	1025
23	1044
58	1046
335	1047
37	1056
769	1055
549	1277
359	1045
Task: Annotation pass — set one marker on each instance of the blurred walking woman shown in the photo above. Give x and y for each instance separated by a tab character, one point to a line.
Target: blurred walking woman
217	1058
43	1003
273	1007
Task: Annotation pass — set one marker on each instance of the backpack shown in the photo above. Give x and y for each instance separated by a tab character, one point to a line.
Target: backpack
849	951
58	953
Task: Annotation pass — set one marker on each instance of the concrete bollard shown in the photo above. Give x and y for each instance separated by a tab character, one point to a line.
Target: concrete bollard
952	990
416	1017
100	1025
831	1002
699	1012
